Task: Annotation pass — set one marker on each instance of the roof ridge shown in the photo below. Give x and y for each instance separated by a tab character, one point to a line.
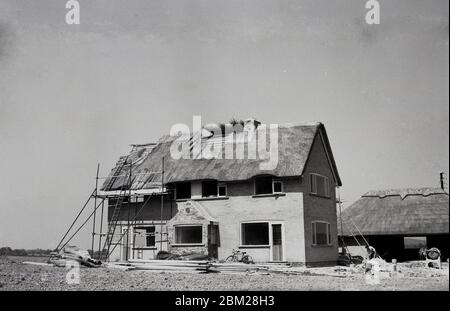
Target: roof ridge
404	192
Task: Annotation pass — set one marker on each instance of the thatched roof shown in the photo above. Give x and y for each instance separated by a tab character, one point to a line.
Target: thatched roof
401	211
294	145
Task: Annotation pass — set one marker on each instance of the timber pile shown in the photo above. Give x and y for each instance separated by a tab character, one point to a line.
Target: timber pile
199	266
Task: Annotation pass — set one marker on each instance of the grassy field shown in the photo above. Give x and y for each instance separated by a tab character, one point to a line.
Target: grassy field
14	275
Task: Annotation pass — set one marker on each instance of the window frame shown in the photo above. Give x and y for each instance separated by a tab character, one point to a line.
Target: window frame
241	235
144	227
177	243
224	185
313	185
273	181
314	233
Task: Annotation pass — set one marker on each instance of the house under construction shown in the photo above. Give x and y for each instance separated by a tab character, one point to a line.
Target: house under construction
213	206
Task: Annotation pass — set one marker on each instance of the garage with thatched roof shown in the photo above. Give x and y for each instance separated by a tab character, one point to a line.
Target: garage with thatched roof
398	222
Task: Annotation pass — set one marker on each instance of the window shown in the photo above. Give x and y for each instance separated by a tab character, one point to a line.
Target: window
268	185
320	185
144	237
255	233
277	186
416	242
188	234
263	185
209	188
222	189
321	233
183	190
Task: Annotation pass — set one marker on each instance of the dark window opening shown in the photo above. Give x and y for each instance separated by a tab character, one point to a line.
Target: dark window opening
263	185
183	190
417	242
255	233
209	188
188	235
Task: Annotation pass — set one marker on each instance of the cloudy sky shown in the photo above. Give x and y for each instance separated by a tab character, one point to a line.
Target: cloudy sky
75	95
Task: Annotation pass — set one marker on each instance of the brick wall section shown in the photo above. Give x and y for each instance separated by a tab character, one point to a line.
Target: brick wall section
188	215
318	208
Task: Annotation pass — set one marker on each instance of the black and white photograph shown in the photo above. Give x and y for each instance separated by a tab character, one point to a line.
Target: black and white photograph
200	147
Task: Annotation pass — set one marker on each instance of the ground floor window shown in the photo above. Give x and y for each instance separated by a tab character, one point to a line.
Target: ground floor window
255	233
415	242
144	237
321	233
188	234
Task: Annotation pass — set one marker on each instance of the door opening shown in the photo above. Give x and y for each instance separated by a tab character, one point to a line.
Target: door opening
277	243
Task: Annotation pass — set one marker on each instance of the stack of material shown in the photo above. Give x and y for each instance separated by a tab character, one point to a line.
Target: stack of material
73	253
165	265
200	266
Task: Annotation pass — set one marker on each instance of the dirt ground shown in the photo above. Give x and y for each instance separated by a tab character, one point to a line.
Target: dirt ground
14	275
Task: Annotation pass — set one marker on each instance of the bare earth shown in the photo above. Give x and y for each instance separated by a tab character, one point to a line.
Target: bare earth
14	275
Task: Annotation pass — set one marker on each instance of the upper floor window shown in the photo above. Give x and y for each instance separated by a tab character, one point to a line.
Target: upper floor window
268	185
320	185
209	188
222	189
321	233
212	188
183	190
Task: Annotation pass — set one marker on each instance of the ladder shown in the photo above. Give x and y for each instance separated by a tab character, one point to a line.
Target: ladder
112	224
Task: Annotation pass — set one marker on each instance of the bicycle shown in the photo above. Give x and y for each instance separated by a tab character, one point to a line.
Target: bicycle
239	256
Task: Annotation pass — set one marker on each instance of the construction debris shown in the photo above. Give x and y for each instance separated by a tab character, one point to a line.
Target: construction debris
73	253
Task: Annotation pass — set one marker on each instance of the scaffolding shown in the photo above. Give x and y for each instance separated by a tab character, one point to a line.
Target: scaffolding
110	238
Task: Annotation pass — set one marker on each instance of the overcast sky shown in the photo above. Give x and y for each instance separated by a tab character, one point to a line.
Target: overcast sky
75	95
